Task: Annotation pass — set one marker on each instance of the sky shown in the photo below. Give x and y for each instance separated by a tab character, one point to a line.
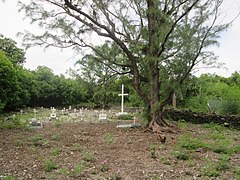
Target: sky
12	22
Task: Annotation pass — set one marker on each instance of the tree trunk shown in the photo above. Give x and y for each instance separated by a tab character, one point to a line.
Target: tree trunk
155	108
174	100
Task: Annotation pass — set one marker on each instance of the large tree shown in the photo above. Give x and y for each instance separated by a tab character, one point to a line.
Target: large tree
160	41
14	54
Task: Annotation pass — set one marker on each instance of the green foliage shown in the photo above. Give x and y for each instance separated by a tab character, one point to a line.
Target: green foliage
157	59
79	168
190	143
15	54
230	106
8	83
215	127
153	151
182	124
125	117
88	156
222	146
109	138
222	163
104	166
210	170
8	178
182	155
56	151
10	122
58	123
39	140
56	136
63	171
236	149
211	87
165	160
77	147
50	165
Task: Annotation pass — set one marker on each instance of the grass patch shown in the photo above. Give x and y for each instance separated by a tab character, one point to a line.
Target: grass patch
88	156
222	146
210	170
214	126
236	172
236	149
109	138
187	142
182	124
18	143
58	123
50	165
79	168
182	155
39	140
56	137
11	122
56	151
222	164
8	178
104	166
77	147
165	160
125	117
63	171
153	151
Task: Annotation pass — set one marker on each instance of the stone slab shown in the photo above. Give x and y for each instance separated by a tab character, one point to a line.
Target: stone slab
129	125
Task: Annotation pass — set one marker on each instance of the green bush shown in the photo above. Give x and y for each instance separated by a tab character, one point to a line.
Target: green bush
182	155
230	106
187	142
50	165
125	117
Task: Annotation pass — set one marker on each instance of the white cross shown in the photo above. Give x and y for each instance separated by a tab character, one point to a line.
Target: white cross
34	111
122	97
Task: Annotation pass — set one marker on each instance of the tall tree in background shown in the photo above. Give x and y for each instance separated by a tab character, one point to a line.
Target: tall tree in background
9	47
96	68
161	41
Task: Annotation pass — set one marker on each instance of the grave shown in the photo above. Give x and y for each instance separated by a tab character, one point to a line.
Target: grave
53	115
133	125
34	123
122	102
102	116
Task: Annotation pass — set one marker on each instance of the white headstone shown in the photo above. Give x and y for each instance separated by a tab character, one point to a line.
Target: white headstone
53	114
35	112
75	110
102	117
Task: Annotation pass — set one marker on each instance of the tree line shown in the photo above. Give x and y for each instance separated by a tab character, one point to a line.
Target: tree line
96	86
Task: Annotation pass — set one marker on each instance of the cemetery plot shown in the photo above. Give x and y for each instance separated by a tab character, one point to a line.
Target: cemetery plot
84	150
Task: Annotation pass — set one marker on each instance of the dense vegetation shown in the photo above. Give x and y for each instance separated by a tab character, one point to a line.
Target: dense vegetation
21	88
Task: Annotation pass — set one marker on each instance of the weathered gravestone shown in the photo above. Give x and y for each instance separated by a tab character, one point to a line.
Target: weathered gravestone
53	115
133	125
34	123
102	116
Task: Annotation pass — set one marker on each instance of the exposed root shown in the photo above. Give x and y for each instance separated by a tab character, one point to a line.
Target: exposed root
160	131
